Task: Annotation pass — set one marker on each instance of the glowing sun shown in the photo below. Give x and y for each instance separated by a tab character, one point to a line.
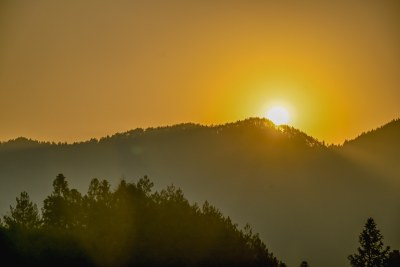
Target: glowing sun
278	115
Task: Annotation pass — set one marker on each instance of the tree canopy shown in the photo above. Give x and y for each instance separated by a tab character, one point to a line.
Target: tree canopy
24	215
129	226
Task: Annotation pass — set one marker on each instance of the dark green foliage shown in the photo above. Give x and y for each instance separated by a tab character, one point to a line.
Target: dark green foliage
372	252
24	215
130	226
63	208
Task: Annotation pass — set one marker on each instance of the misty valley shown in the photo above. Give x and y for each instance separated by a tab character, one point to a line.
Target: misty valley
306	202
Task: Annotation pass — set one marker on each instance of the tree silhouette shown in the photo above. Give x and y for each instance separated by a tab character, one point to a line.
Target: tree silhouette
24	215
64	207
129	226
60	186
372	252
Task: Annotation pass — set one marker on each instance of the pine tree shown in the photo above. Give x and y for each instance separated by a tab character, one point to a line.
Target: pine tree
372	252
24	215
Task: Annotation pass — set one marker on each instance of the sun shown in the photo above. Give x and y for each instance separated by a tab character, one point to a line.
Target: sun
278	115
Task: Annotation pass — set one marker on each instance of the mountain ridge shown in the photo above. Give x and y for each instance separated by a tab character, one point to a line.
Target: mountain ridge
253	171
136	131
257	121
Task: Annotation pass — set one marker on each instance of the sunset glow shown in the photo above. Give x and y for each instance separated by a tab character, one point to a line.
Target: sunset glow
134	65
278	115
169	127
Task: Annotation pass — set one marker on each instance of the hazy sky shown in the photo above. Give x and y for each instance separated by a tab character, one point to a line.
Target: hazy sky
71	70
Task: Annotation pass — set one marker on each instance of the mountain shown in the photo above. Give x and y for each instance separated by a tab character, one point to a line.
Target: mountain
377	150
307	200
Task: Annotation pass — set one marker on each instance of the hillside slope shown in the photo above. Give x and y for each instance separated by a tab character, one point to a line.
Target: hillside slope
307	201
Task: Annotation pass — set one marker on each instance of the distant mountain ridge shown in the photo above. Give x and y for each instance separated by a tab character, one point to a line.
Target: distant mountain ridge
256	123
389	131
293	189
391	128
378	148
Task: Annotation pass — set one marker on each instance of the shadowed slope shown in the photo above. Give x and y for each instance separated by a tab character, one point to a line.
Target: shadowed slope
306	199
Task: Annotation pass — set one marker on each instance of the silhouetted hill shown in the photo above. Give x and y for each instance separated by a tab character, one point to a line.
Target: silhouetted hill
306	200
129	226
377	150
383	135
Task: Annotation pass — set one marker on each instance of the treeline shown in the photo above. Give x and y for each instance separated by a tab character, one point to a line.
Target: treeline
128	226
253	126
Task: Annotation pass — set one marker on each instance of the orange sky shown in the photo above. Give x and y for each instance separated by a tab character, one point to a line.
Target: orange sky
72	70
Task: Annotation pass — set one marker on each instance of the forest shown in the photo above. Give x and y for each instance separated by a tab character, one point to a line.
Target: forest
128	226
136	226
283	182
